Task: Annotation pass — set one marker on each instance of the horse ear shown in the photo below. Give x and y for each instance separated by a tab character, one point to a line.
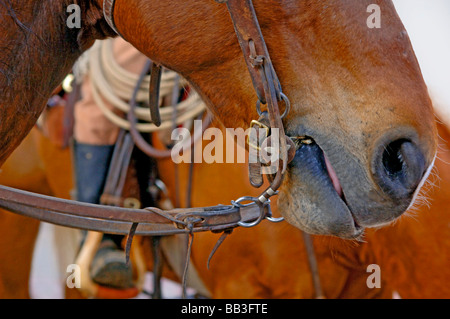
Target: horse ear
94	26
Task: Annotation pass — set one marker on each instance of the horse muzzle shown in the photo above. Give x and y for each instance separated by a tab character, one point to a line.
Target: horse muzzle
328	191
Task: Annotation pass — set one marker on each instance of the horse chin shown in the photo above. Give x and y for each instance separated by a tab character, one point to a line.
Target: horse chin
312	198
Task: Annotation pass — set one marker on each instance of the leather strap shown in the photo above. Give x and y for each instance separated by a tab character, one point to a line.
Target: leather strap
117	173
117	220
264	78
155	82
252	43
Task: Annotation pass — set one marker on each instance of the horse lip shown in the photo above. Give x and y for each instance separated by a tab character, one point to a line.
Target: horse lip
336	216
340	192
359	230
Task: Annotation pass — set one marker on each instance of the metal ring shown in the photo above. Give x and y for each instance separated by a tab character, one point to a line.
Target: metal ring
286	110
288	104
275	220
238	201
269	215
255	201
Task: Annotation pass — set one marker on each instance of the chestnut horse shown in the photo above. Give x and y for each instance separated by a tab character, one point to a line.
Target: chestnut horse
356	91
267	261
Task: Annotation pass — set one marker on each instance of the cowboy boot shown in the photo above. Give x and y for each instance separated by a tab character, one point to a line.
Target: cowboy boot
109	266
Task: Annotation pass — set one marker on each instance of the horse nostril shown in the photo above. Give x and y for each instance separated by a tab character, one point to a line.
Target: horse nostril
393	160
400	168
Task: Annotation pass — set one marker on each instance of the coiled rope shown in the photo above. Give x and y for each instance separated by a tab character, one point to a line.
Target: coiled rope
114	84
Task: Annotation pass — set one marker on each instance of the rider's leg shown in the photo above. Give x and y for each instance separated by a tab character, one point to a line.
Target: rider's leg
91	168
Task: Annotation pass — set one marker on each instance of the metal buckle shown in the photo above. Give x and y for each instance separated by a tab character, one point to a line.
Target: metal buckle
260	125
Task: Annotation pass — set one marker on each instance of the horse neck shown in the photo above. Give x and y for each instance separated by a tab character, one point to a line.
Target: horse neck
38	50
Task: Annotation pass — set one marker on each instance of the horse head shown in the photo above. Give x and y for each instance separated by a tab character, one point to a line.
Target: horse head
356	91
